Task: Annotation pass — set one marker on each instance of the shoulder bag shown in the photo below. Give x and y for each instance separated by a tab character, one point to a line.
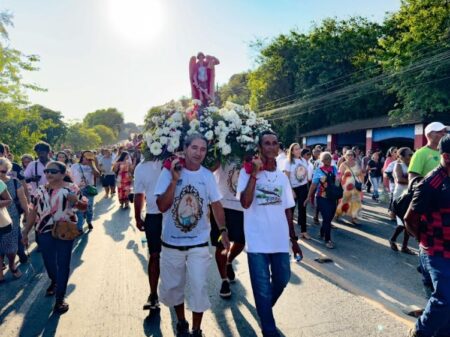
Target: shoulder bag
358	184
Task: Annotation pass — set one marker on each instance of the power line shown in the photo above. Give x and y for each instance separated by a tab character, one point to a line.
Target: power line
359	85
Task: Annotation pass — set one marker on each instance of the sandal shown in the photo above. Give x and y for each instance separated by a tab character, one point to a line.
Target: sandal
50	290
393	246
329	244
305	236
61	307
16	273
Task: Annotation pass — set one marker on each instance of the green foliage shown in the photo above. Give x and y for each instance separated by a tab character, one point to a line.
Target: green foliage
419	32
106	135
20	128
236	90
79	138
57	128
12	64
110	117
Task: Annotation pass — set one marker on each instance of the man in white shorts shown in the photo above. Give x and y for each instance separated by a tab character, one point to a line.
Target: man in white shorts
183	195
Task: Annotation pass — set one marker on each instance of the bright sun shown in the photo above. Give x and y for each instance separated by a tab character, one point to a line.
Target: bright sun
137	21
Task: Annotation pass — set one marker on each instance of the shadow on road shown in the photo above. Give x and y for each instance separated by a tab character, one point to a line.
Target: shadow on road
118	224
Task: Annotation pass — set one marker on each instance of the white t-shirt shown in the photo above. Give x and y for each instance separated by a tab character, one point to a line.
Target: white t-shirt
146	175
82	175
390	169
281	158
300	171
186	223
227	179
265	225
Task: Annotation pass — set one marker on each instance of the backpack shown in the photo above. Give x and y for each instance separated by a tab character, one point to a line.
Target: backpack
333	191
401	204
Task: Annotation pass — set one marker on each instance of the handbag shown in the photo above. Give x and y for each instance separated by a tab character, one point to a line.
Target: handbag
89	189
65	230
358	184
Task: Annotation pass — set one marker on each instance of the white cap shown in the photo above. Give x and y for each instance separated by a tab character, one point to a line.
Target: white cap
435	126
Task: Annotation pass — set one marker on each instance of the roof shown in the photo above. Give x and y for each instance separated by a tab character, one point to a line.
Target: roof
362	124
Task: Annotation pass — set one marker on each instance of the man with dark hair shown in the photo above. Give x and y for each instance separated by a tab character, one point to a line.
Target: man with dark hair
428	220
267	198
183	195
34	173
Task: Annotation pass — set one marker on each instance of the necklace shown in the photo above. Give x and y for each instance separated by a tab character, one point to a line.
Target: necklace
271	180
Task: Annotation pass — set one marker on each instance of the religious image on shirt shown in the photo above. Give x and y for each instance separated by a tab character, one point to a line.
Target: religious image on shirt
188	209
232	181
268	194
300	173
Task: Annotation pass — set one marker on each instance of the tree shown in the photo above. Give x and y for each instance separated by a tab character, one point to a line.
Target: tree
236	90
106	135
418	37
57	129
21	129
110	117
12	63
80	138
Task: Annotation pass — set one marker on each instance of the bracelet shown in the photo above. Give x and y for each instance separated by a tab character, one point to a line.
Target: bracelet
223	230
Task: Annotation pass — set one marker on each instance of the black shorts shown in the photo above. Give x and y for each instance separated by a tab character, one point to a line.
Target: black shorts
235	225
153	229
109	180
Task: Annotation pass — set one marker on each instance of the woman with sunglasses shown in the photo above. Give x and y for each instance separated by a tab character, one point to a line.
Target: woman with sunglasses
401	182
53	202
9	241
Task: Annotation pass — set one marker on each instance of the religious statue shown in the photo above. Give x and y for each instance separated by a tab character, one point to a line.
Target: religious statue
202	75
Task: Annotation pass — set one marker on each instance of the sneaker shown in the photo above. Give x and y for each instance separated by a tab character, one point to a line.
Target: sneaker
225	291
183	329
197	333
329	244
152	303
230	273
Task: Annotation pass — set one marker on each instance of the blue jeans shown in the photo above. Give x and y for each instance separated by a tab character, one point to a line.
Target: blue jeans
89	213
435	320
375	181
327	208
56	255
269	275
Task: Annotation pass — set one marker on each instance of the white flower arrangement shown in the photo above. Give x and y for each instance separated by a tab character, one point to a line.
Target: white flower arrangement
230	131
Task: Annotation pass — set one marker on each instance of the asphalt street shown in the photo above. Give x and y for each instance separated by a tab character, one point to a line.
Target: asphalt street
362	292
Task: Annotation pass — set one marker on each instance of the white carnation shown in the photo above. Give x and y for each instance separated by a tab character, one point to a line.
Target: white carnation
156	149
226	150
163	140
175	143
209	135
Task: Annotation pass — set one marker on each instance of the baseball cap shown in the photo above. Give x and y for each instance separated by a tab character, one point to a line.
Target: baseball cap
435	126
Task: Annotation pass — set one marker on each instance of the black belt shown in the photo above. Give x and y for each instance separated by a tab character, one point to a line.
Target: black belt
184	248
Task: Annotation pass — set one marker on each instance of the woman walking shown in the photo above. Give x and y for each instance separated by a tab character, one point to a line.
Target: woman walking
54	204
400	174
299	171
13	195
374	168
124	170
323	176
351	180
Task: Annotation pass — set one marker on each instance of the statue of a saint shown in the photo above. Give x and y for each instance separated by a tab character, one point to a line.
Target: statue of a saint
202	75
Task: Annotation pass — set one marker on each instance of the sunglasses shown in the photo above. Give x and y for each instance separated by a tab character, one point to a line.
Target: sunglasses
3	171
51	171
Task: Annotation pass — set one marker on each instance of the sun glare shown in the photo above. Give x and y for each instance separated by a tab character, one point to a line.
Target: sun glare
137	21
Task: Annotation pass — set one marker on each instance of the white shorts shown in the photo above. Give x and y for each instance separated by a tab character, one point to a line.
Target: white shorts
178	268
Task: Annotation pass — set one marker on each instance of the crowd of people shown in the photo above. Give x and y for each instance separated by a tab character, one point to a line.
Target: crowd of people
249	204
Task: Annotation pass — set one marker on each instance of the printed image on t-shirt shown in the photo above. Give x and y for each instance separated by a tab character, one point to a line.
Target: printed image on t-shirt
300	173
188	209
268	194
233	177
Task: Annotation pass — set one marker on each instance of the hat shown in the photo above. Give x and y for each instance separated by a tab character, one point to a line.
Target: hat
435	126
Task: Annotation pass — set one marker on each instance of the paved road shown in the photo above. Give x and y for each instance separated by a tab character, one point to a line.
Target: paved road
362	293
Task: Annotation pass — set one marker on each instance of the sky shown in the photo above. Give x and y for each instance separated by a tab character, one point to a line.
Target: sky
134	54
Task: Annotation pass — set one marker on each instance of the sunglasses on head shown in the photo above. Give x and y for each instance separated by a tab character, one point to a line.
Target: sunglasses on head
52	171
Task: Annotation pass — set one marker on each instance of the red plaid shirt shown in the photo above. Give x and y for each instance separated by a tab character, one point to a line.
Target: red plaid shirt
432	200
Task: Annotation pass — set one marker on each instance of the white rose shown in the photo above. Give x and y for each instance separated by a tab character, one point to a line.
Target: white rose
226	150
156	149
